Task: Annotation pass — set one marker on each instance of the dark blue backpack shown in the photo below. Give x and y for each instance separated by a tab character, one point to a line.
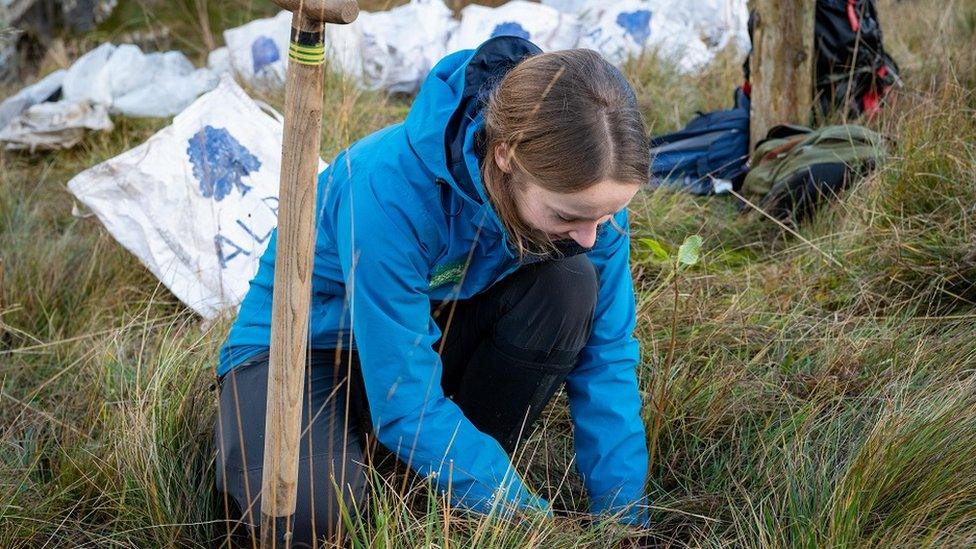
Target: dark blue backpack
708	156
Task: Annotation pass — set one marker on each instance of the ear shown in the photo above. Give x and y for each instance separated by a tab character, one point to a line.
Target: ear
501	158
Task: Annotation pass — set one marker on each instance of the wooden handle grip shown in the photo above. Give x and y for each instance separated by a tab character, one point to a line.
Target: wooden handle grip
339	12
293	259
292	278
292	284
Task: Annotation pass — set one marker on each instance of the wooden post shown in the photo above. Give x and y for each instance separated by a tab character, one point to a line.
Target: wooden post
293	259
781	64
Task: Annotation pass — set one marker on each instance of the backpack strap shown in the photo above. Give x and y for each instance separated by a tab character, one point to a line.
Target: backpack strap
786	147
786	130
852	15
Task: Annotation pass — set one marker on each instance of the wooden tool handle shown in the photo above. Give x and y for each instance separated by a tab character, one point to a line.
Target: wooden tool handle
340	12
293	262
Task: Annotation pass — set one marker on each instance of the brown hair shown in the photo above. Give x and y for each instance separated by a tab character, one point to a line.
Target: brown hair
570	120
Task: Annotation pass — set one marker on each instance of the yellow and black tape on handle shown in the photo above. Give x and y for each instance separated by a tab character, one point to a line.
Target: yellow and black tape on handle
307	48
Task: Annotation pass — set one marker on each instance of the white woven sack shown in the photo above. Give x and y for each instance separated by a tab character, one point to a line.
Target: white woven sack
197	202
400	46
545	26
627	28
258	51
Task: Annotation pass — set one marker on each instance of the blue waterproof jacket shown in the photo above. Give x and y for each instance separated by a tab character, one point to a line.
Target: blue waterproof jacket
403	219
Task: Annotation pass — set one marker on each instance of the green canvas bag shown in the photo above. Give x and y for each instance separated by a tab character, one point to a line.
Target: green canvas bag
795	169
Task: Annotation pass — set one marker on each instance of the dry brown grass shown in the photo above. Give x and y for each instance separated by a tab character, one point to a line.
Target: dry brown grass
810	403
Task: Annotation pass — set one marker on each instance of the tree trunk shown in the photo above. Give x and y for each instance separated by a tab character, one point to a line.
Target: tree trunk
781	64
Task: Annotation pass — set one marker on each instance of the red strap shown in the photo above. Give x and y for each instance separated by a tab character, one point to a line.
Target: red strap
852	15
872	99
872	103
747	89
784	148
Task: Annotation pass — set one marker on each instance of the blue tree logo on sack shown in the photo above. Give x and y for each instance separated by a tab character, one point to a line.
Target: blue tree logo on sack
510	28
637	24
220	162
264	52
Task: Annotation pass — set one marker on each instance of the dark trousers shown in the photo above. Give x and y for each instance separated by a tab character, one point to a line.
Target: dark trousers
505	353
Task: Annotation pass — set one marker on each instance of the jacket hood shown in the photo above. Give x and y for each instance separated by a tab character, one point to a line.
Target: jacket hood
445	124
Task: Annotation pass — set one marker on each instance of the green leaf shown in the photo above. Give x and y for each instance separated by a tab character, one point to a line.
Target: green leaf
690	251
656	248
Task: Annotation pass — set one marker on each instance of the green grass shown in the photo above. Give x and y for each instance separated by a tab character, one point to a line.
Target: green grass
821	392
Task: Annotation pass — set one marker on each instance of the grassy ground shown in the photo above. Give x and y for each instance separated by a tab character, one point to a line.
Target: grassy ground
821	391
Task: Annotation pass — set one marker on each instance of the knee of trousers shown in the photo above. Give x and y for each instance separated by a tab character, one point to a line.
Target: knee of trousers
569	284
554	309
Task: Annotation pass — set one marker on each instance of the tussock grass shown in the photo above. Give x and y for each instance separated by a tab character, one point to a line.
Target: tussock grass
821	392
913	223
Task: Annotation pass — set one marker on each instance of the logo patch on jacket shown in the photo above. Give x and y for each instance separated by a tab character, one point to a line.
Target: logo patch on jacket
449	272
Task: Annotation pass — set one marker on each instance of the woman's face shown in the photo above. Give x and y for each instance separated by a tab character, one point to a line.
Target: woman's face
565	216
576	215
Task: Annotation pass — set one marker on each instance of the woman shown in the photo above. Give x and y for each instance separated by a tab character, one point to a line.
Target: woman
468	262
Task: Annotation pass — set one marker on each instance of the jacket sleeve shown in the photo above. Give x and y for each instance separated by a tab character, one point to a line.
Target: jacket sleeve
385	266
605	404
